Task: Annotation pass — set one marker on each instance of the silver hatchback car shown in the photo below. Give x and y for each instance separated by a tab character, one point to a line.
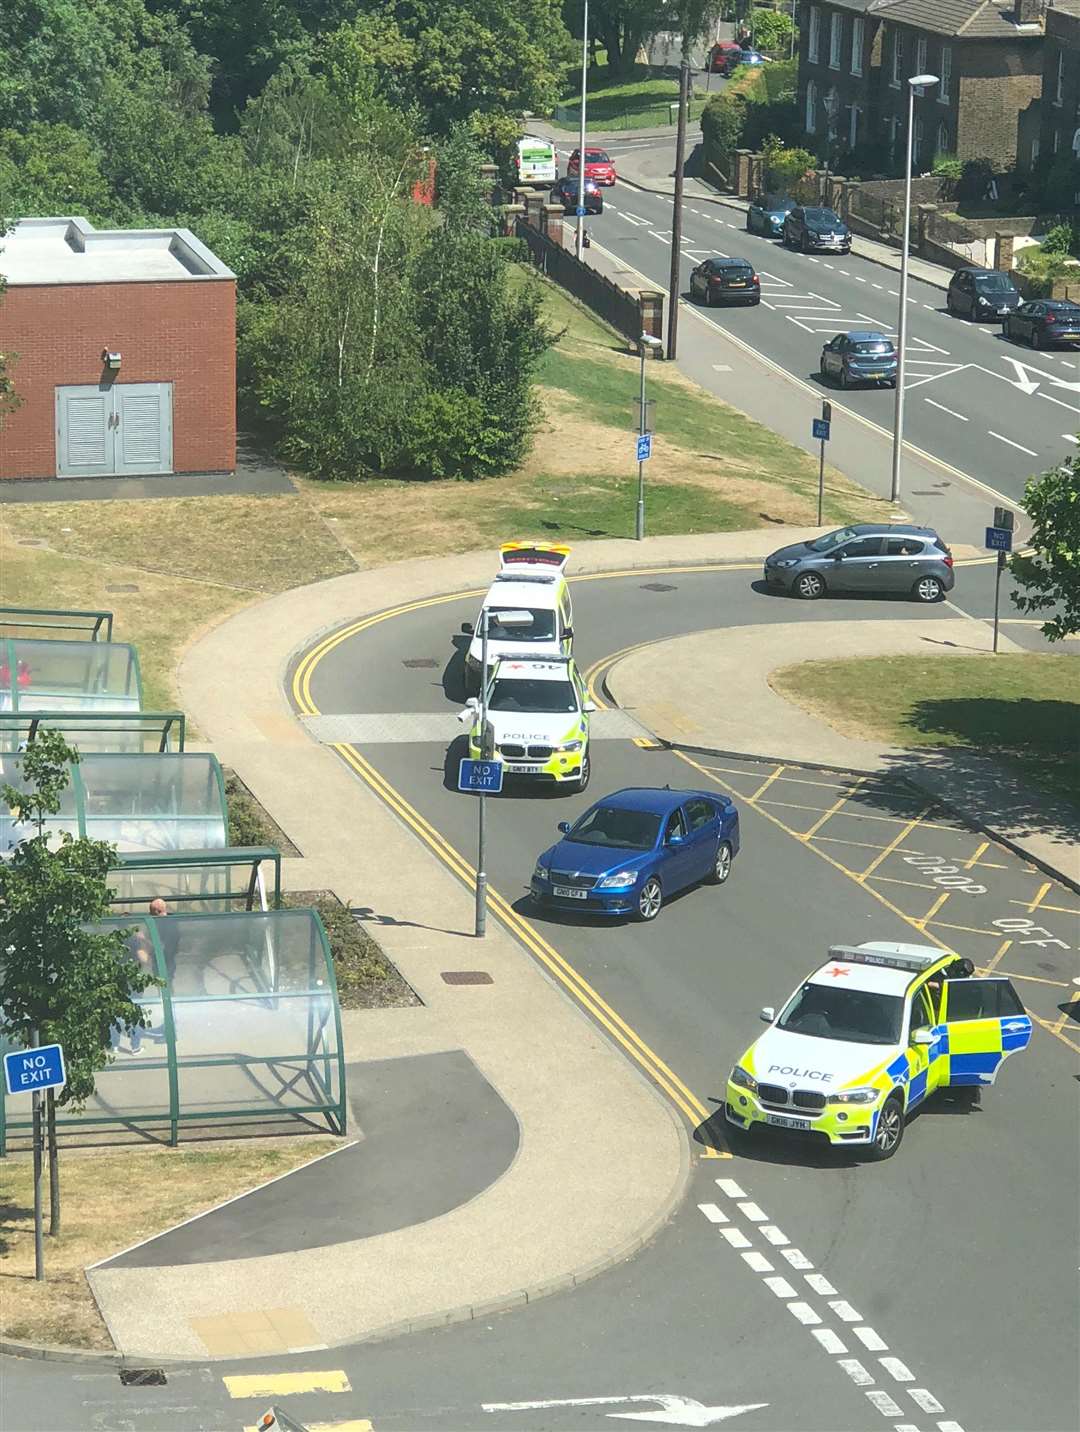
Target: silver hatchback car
890	559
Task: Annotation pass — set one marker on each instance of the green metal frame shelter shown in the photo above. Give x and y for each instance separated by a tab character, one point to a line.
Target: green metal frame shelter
246	1025
92	626
139	803
240	877
130	731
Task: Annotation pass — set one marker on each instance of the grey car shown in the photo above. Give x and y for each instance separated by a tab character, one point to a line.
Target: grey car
887	559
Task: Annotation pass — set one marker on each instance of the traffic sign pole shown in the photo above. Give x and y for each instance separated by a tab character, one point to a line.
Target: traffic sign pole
480	922
821	428
1001	559
39	1240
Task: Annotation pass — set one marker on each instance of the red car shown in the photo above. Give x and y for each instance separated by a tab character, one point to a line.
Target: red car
723	54
598	166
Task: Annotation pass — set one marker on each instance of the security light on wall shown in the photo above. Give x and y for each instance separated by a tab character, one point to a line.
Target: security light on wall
111	360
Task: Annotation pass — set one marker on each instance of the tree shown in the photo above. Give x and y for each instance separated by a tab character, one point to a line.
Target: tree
61	981
1050	575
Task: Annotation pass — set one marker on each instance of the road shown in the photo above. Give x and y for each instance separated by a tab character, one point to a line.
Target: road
990	409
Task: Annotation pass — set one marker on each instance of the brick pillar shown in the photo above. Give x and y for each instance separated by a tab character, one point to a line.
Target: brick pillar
534	208
843	197
741	177
553	222
651	309
1005	246
511	214
924	213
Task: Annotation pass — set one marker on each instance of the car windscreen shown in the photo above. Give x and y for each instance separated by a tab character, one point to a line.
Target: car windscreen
993	283
1062	308
541	628
610	826
596	156
832	539
822	216
776	201
538	696
855	1015
880	346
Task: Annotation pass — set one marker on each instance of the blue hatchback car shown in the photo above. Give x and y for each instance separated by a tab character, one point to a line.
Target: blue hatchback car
632	850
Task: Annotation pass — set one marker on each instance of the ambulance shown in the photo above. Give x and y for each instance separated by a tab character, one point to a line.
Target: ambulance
531	588
868	1037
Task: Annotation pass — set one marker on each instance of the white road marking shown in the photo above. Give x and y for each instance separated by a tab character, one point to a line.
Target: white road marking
1071	438
907	1427
635	218
884	1404
735	1238
753	1212
829	1340
796	1257
758	1262
845	1312
820	1284
780	1286
722	368
861	280
828	265
929	307
855	1370
926	1400
774	1235
1067	363
729	1187
730	226
804	326
892	292
804	1312
712	1213
877	285
869	1338
897	1369
944	409
1070	407
664	238
1019	446
812	260
942	1427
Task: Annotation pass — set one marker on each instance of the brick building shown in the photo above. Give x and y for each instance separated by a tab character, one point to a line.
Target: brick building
126	344
855	57
1059	112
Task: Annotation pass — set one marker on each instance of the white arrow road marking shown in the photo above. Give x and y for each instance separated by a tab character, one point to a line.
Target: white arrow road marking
1022	381
675	1411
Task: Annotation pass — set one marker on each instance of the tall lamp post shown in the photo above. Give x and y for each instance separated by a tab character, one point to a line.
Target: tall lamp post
645	342
916	82
580	244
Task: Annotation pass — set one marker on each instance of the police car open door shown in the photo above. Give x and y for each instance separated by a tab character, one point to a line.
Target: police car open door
985	1023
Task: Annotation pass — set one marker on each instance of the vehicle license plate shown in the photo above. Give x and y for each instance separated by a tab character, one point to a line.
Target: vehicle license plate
878	373
737	283
513	769
782	1122
566	892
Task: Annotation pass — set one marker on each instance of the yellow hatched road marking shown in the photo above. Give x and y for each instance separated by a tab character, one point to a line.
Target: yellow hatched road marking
355	1424
1057	909
1066	1014
766	783
888	849
828	815
992	966
934	908
285	1384
978	855
1043	892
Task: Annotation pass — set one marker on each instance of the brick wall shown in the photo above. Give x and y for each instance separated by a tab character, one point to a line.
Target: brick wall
182	333
996	82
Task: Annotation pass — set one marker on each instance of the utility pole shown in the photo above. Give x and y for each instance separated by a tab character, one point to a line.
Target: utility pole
480	925
676	212
580	244
39	1242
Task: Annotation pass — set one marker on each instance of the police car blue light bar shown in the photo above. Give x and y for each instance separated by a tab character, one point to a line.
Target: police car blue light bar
854	955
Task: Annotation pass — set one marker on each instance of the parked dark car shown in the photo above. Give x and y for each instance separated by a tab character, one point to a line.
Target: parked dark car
883	559
720	54
725	281
981	293
767	213
634	849
820	229
1044	321
860	357
565	192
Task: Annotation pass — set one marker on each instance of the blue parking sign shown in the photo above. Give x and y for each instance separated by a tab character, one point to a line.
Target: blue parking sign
27	1070
644	447
821	429
999	539
482	778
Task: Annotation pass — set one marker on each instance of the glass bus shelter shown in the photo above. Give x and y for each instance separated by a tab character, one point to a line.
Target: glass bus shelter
27	621
245	1026
240	877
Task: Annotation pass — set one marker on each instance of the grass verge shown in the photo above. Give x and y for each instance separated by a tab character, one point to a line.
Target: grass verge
641	99
1024	709
110	1201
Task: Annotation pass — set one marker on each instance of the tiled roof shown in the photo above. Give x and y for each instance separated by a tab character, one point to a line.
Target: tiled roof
962	19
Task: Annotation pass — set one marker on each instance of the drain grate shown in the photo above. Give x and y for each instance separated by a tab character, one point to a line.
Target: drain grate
658	587
425	662
464	977
143	1376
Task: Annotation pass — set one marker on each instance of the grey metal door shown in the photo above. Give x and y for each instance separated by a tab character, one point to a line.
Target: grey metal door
122	429
142	427
84	434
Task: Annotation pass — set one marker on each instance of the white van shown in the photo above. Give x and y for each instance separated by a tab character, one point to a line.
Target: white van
531	578
537	162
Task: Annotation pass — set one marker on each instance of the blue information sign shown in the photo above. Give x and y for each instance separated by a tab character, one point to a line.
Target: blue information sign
483	778
580	211
28	1069
821	429
999	539
644	447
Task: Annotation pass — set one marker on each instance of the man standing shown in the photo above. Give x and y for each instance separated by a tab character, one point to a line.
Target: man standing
168	935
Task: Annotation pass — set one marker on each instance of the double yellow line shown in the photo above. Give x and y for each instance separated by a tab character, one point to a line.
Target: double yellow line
575	984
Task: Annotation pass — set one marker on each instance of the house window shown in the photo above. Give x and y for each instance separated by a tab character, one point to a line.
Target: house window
836	39
1034	151
897	58
920	56
813	44
943	138
857	45
832	112
946	74
811	107
917	146
1059	92
892	123
1054	146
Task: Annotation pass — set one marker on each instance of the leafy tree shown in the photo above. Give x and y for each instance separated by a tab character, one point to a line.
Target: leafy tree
59	979
51	169
785	167
772	31
463	193
1050	576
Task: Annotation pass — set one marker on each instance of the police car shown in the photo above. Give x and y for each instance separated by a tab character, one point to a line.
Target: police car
868	1037
531	583
538	714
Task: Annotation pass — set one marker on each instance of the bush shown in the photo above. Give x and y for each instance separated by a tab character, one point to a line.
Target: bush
1060	240
772	31
785	167
947	166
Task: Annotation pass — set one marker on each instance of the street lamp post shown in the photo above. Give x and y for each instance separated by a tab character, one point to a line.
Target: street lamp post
645	342
916	82
580	244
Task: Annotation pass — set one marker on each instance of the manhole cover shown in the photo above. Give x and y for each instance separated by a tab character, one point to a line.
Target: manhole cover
658	587
427	662
143	1376
467	977
32	542
123	587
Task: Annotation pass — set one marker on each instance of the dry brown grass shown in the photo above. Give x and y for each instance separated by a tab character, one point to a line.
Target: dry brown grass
110	1201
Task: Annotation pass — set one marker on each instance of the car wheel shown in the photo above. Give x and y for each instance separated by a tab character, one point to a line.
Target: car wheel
890	1129
806	243
809	586
928	589
722	866
844	380
586	773
749	225
1036	337
650	898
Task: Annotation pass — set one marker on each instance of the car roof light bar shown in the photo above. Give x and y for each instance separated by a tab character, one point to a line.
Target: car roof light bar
853	955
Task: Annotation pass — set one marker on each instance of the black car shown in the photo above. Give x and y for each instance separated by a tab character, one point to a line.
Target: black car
565	192
821	229
981	293
725	281
1044	321
767	213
